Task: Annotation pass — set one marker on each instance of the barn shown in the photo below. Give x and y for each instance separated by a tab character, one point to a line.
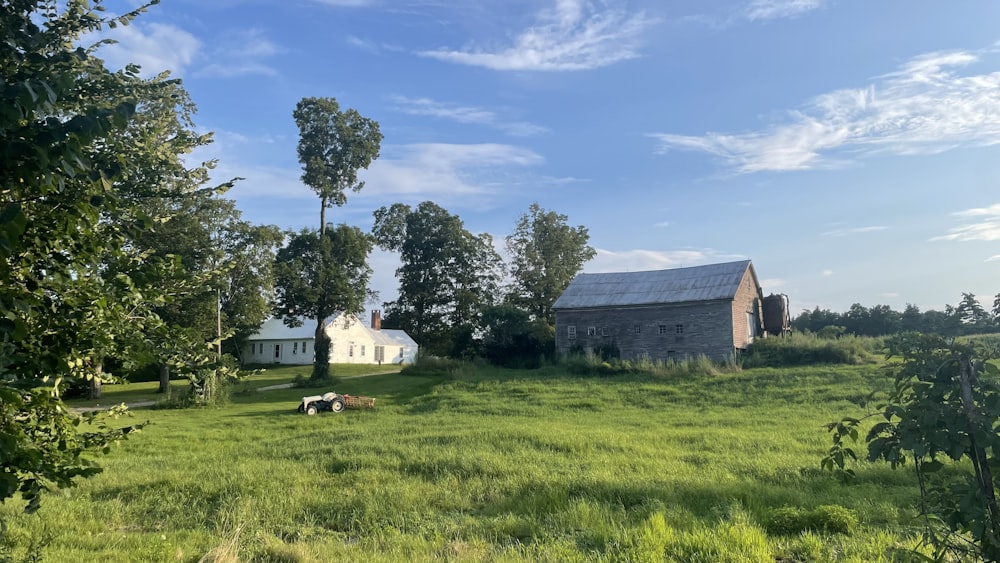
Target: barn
715	310
351	342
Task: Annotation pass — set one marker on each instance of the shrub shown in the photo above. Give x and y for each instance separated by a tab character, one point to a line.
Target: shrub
433	366
830	518
804	349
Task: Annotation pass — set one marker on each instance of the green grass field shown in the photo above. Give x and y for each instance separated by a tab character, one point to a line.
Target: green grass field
491	465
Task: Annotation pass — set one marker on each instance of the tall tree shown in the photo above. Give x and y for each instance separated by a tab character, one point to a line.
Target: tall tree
333	146
447	277
546	254
319	275
83	150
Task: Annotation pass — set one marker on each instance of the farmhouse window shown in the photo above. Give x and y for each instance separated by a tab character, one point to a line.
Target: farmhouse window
277	351
400	351
679	329
591	331
295	347
303	346
605	331
637	329
571	332
362	350
350	350
663	329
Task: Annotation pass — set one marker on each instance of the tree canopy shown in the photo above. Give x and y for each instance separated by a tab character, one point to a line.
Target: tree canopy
448	274
86	153
546	254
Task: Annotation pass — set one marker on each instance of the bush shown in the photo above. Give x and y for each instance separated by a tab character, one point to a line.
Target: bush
798	349
830	518
434	366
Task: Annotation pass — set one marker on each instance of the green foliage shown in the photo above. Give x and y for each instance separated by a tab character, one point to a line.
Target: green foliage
512	339
319	274
546	254
333	146
829	518
447	278
944	408
433	366
798	349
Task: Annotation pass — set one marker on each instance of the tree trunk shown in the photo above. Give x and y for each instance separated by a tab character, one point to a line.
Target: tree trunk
95	381
164	379
321	362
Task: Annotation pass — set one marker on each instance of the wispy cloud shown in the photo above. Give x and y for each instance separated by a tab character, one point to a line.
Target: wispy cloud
985	227
993	258
826	273
641	260
771	283
662	224
777	9
465	114
574	35
242	53
155	47
927	106
442	170
853	231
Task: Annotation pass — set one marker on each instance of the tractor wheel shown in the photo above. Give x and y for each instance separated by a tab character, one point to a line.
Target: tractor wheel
311	410
337	405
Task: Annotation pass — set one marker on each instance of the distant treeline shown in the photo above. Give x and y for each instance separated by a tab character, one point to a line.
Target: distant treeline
968	317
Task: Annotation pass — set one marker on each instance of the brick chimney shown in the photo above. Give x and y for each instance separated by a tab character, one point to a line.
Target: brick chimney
376	320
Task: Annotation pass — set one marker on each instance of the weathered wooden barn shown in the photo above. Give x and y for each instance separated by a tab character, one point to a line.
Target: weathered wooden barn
713	310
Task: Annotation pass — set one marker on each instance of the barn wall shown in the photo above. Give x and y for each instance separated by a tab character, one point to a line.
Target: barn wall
747	300
706	328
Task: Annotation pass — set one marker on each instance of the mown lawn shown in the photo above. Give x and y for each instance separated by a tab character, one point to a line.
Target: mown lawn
492	465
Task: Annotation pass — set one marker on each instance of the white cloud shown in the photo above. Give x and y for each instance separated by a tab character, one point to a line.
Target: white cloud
889	294
642	260
155	47
987	228
241	53
776	9
572	36
442	170
993	258
853	231
928	106
826	273
662	224
772	282
464	114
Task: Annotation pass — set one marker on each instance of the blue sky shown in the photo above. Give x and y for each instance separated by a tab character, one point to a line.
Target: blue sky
850	149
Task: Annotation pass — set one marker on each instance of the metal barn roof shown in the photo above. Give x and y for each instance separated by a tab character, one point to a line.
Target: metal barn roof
677	285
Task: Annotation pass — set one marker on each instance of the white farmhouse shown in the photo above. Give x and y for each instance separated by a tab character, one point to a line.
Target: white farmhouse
351	342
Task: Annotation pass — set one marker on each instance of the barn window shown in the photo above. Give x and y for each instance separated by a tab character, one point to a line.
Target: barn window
605	331
637	329
571	332
751	326
679	329
591	331
671	354
663	329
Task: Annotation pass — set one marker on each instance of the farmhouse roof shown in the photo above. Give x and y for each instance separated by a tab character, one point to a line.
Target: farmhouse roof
276	329
676	285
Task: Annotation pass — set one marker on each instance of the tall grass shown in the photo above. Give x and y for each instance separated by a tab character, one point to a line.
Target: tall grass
490	465
803	349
